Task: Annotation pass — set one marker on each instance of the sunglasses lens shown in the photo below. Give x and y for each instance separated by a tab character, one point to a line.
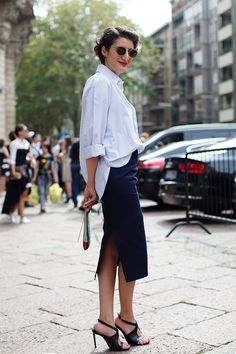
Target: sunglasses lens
132	53
120	50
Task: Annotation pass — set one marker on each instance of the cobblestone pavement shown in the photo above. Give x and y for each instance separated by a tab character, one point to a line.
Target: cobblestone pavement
48	297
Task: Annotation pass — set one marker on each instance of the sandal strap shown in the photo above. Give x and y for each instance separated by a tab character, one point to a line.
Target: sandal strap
135	324
108	325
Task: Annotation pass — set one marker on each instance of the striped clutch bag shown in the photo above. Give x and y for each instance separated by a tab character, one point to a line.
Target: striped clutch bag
86	231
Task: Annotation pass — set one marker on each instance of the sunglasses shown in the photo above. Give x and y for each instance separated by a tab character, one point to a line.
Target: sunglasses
122	51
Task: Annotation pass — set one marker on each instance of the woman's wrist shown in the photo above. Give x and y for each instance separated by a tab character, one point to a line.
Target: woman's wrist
91	183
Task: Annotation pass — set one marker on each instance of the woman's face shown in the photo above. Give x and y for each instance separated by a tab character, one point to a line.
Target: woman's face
114	61
44	148
23	134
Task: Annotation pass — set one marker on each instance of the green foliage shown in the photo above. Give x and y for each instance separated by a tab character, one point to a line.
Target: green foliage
60	58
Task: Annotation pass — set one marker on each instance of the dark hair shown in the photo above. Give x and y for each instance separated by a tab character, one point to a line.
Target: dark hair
12	135
110	35
2	142
67	142
35	134
19	128
47	145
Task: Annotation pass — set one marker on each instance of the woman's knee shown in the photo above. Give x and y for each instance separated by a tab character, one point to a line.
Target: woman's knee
111	248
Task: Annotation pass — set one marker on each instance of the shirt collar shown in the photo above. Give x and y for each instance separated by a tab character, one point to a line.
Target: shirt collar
103	69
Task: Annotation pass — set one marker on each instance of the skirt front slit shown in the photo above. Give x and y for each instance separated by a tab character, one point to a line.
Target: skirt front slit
123	220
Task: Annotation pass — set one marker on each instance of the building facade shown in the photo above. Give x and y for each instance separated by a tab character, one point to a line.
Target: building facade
194	61
226	60
157	109
16	18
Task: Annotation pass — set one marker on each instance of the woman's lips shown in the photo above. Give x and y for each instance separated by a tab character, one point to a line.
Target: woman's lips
122	63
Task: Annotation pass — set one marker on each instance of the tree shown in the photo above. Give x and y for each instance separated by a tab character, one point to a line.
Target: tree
60	58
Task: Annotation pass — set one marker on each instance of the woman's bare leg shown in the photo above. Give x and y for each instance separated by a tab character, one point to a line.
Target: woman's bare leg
126	293
68	189
21	204
106	280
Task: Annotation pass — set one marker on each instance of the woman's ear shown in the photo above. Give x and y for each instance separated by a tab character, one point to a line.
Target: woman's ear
104	51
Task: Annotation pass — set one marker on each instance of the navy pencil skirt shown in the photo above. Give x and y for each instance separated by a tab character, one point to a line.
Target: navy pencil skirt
123	220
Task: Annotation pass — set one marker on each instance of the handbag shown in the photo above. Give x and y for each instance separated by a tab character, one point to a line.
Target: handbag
55	193
86	231
33	197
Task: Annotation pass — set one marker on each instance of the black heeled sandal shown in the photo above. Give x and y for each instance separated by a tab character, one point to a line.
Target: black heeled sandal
132	337
111	341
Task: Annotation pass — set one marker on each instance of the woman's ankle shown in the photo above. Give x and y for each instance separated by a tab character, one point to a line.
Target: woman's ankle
126	315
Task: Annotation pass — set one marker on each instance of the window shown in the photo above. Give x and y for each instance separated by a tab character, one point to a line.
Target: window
226	46
226	73
193	14
189	40
171	138
198	85
182	64
225	19
198	58
226	101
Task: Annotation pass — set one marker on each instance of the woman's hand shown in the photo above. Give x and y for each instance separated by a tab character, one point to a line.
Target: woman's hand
16	175
90	197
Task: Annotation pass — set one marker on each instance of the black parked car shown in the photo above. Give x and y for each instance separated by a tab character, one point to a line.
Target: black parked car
211	179
151	166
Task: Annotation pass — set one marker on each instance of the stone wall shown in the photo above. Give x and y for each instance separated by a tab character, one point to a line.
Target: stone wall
16	20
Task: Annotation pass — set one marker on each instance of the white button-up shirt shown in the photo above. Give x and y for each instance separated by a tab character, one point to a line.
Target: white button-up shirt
108	126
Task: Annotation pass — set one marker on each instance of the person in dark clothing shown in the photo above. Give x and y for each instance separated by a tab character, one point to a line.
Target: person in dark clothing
18	188
75	171
44	174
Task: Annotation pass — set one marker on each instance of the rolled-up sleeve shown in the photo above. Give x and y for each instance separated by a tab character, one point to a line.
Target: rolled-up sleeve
95	107
13	150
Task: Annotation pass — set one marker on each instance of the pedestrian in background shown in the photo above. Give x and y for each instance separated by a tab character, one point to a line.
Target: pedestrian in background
36	144
4	165
18	188
109	146
66	167
75	171
44	174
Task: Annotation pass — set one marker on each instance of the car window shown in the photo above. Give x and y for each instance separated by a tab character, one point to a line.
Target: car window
163	141
208	133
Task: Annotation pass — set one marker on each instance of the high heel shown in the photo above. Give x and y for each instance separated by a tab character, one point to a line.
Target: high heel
132	337
94	339
112	341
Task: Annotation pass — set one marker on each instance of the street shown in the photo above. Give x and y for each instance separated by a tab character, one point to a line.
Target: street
49	298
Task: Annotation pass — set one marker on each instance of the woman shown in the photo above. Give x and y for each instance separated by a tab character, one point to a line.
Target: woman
44	173
109	145
66	167
4	165
19	185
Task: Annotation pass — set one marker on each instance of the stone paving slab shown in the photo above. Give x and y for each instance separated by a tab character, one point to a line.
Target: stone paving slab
23	338
216	331
174	296
224	349
222	300
162	320
222	283
153	287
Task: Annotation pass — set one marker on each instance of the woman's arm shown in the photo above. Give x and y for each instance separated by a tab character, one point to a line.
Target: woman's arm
54	172
5	151
36	170
90	195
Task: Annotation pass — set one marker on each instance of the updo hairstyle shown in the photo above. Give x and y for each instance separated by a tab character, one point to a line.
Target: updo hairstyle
110	35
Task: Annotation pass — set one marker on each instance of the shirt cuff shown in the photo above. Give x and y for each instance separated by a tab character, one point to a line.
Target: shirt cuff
93	151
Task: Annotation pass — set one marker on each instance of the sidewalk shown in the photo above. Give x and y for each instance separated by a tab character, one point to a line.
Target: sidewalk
49	298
